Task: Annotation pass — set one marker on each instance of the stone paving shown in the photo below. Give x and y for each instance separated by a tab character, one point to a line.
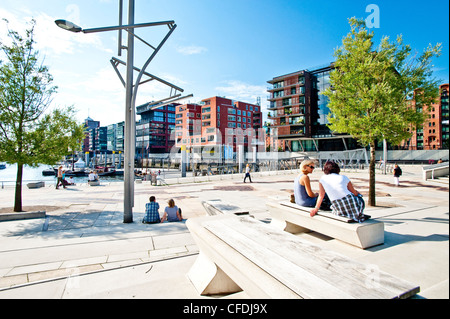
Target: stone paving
82	248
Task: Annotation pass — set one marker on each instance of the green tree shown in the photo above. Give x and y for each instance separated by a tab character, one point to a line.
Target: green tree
371	89
29	133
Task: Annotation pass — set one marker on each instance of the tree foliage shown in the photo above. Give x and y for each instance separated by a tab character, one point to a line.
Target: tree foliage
29	133
371	89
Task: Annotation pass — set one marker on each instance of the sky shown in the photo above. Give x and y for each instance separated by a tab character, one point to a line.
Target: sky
226	48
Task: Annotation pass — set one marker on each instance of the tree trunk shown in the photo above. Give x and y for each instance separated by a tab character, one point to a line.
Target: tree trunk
372	201
18	196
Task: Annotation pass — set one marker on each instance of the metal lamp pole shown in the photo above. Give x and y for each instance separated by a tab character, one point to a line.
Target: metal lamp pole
131	89
130	126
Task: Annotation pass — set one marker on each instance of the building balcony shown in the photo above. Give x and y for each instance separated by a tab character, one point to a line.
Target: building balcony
279	88
276	107
292	135
271	98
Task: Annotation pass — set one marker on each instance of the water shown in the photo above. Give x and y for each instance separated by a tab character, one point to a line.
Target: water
8	176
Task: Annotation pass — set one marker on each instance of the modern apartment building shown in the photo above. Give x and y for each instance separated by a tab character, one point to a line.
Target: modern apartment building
299	111
89	140
115	141
435	132
101	139
217	121
188	124
154	129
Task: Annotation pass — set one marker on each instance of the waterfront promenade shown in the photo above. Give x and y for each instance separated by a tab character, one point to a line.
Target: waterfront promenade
82	249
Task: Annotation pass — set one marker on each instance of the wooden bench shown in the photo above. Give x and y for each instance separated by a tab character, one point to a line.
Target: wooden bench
218	207
296	219
241	253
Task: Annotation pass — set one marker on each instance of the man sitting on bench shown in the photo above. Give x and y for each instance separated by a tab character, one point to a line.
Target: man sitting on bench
345	200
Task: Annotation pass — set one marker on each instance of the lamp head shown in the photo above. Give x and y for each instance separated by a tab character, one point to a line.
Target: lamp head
67	25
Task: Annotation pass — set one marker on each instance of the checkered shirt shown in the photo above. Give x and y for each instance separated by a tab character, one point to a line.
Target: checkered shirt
350	206
151	213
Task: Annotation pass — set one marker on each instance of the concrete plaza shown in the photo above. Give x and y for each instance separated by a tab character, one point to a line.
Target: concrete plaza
82	249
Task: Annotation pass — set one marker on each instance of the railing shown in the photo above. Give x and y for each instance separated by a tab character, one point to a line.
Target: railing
24	182
436	170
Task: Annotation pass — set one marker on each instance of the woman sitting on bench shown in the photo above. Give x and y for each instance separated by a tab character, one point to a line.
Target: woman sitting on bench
304	196
345	200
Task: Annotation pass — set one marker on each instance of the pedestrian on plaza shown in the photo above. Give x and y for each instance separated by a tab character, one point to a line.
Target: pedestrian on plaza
304	196
397	173
345	199
60	177
247	173
151	212
172	213
381	163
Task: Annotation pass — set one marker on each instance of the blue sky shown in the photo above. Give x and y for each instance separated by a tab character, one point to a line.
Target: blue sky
228	48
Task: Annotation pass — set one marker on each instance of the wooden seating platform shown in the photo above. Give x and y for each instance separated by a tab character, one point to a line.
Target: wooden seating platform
296	219
241	253
218	207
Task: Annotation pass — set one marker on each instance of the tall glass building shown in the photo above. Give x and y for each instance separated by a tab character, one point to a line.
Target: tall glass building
299	112
154	128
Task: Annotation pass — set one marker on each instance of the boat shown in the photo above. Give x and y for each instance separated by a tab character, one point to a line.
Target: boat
49	172
79	165
75	173
106	171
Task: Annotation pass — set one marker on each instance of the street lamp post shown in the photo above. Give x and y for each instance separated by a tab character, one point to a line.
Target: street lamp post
130	126
131	90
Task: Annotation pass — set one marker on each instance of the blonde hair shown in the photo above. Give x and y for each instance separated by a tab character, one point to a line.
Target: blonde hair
171	203
303	165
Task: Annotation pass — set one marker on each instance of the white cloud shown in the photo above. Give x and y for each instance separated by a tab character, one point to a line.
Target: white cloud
101	95
51	39
244	92
241	91
192	49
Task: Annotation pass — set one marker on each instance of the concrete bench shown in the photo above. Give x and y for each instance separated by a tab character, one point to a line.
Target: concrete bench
241	253
94	183
296	219
218	207
36	185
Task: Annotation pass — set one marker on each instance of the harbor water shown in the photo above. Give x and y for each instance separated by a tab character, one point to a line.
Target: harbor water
30	174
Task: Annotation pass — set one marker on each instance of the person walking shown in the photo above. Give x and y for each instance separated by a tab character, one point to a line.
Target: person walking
397	173
60	177
247	173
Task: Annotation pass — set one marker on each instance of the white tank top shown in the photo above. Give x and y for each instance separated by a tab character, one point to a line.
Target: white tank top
335	185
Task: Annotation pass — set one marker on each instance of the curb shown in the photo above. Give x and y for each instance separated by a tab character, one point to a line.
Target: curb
21	216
